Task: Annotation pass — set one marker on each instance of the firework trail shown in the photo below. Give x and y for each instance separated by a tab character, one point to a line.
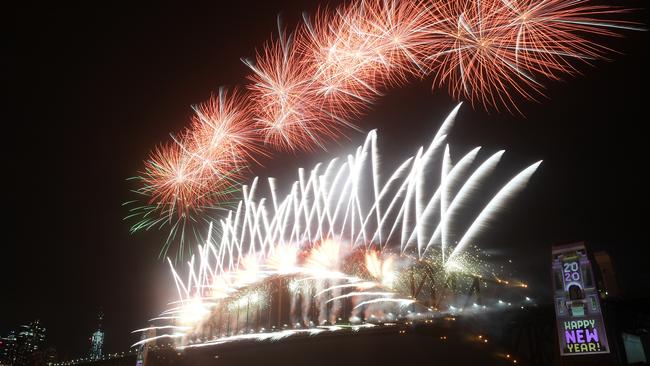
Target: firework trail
330	251
490	52
332	202
308	86
183	180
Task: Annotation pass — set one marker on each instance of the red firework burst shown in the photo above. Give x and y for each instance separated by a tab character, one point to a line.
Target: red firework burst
200	167
310	86
491	51
222	136
400	32
288	114
173	182
348	65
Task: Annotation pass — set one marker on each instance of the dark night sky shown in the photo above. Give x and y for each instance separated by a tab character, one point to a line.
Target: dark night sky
91	89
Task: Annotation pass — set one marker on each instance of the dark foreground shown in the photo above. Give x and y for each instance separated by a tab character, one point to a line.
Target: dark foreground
396	345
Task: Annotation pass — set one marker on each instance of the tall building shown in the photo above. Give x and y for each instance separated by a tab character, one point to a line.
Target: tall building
8	349
580	325
30	339
97	340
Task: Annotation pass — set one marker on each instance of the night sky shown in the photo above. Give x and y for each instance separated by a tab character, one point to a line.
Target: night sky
92	89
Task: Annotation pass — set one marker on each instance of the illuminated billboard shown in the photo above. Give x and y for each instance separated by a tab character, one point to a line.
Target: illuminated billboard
580	325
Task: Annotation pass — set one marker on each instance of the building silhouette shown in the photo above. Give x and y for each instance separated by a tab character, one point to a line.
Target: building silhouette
30	339
607	282
8	349
97	339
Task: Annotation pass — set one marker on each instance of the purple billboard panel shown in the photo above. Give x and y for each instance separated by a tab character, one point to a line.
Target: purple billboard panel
580	325
583	336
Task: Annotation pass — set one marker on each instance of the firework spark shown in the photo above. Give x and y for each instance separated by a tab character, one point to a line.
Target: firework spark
221	136
490	52
183	180
290	116
309	86
339	252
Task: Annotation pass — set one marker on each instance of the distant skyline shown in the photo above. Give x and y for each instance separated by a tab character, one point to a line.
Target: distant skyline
95	89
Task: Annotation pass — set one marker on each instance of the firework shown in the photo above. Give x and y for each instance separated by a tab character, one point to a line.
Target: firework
490	52
221	136
289	115
347	64
310	85
183	180
332	202
335	252
173	179
381	270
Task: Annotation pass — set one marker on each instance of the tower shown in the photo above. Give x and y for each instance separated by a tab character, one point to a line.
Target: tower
97	339
581	330
8	349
